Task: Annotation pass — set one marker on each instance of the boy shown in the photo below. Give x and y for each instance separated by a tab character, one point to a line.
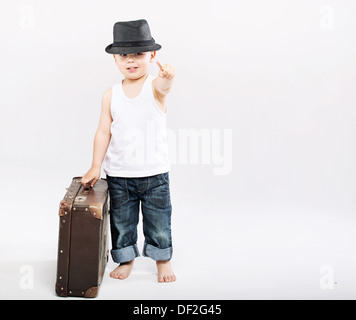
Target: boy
131	143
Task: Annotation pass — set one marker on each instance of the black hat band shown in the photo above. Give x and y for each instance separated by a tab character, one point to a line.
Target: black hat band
134	43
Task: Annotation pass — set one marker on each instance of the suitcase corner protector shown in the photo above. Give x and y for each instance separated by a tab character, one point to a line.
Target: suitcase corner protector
92	292
61	290
64	208
96	209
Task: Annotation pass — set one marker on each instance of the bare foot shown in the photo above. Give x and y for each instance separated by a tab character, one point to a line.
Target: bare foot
165	272
122	271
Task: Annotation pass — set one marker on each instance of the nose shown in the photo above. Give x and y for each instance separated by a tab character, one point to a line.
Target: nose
130	57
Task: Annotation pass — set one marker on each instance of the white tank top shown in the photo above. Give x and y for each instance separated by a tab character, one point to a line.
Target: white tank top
138	145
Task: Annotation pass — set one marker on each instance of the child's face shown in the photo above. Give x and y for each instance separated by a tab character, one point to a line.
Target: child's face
134	65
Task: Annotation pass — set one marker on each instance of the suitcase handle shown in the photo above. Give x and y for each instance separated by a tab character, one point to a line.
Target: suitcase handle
84	193
87	190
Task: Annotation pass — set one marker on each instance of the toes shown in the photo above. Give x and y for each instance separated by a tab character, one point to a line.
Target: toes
167	278
172	278
116	275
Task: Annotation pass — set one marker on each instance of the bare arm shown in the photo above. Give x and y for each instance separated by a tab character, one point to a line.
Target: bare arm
163	83
101	142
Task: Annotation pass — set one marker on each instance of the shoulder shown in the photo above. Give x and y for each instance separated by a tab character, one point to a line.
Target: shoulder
107	94
159	98
106	100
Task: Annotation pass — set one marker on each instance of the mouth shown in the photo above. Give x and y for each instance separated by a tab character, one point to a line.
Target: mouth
131	69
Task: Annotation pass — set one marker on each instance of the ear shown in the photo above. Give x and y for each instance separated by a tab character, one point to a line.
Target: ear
153	54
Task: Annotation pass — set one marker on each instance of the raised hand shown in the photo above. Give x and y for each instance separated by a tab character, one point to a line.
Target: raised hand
167	71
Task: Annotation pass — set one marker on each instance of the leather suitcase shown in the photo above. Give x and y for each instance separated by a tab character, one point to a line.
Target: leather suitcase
82	241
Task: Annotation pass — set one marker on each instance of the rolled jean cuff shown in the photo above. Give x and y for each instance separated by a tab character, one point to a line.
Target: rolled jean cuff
156	253
125	254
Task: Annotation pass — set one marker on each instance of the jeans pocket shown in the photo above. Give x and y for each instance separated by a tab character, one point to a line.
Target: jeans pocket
165	177
159	196
118	192
118	200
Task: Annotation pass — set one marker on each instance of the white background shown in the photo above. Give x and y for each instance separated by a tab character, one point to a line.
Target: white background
280	74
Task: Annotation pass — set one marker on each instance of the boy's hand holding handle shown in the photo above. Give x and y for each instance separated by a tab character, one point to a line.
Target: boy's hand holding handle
91	177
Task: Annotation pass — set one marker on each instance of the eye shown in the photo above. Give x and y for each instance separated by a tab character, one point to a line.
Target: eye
122	54
139	53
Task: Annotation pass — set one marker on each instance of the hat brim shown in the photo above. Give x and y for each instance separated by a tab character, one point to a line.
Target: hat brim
117	50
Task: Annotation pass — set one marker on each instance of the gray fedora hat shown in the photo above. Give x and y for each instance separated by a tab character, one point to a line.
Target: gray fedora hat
132	37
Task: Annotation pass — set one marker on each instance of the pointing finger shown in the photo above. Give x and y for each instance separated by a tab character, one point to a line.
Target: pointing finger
160	66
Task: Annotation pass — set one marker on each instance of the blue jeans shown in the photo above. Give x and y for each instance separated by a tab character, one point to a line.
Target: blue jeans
126	195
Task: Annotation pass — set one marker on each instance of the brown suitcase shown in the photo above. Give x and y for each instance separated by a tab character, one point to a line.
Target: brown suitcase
82	241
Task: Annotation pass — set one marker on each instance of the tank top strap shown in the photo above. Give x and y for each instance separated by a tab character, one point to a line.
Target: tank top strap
147	87
116	90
